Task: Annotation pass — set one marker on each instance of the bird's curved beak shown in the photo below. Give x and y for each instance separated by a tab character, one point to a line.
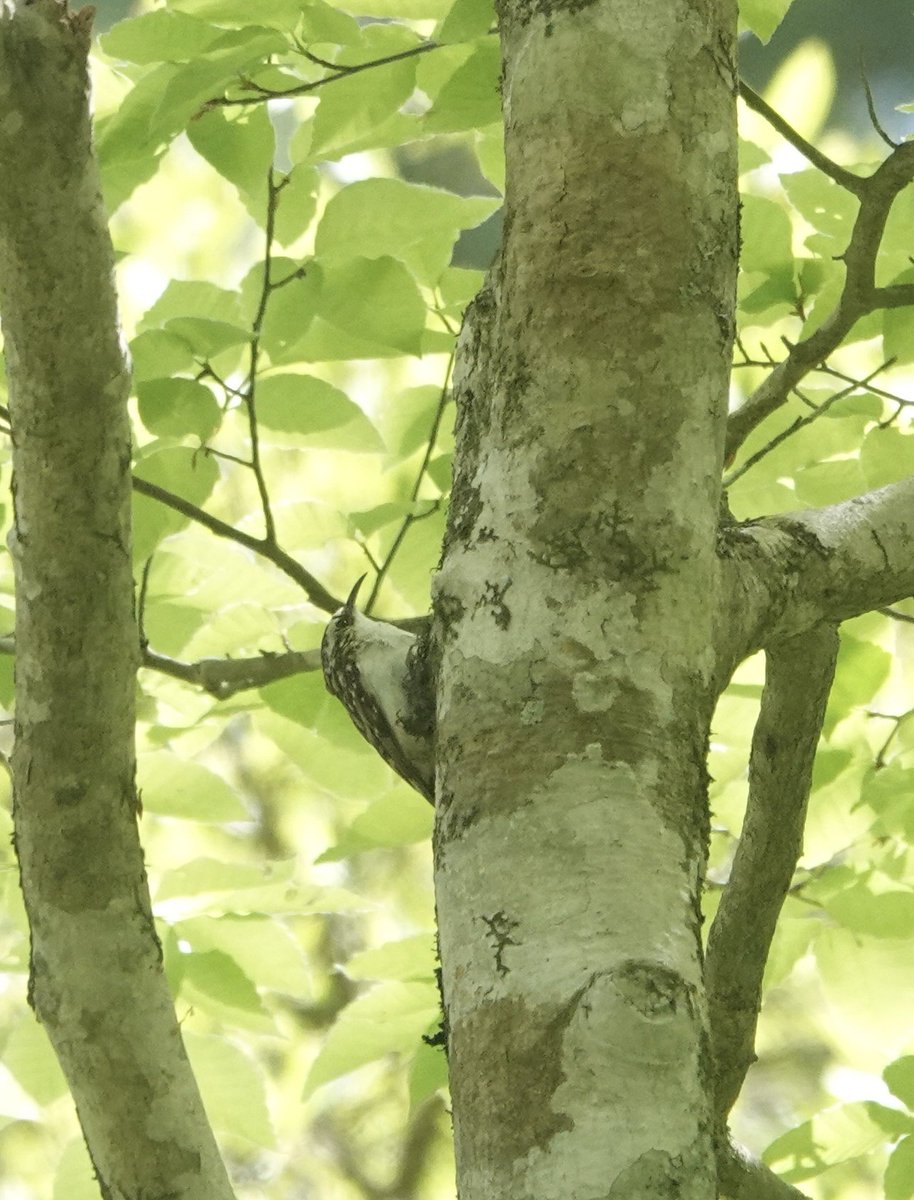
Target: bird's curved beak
351	598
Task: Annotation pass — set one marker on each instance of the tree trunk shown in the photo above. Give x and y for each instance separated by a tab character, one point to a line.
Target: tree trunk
96	980
576	677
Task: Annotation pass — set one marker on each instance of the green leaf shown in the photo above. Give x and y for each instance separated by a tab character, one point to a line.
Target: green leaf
766	235
208	876
751	156
174	788
763	16
160	36
470	98
410	958
245	627
407	421
297	203
194	298
30	1059
162	104
178	470
862	669
837	1134
398	819
827	206
216	975
888	793
240	146
363	110
887	913
280	14
319	413
466	20
367	308
428	1073
75	1178
897	338
416	224
899	1174
263	947
390	1019
207	338
829	482
232	1087
291	309
176	407
490	151
323	23
886	456
404	10
868	983
156	353
899	1075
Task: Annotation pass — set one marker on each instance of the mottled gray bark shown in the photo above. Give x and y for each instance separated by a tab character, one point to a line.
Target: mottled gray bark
573	612
96	980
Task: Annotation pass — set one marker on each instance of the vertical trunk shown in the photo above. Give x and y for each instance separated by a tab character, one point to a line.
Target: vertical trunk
96	980
573	615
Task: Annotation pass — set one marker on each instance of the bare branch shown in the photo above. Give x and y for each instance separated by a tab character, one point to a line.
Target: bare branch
800	423
858	297
312	587
742	1177
871	109
412	517
841	175
341	71
786	574
274	190
798	678
223	677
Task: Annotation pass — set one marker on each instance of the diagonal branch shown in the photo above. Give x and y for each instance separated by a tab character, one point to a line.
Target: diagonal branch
340	71
265	547
223	677
782	575
742	1177
859	297
841	175
798	678
411	517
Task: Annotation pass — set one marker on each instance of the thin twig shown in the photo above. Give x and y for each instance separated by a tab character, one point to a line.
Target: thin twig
840	175
249	398
313	588
871	109
342	72
798	424
859	297
412	517
223	677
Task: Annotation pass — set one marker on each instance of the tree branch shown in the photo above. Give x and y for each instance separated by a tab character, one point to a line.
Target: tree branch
742	1177
798	678
841	175
96	981
783	575
858	297
266	548
340	71
223	677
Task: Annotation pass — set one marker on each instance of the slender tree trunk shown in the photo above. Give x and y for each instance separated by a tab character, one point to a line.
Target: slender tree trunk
96	980
572	609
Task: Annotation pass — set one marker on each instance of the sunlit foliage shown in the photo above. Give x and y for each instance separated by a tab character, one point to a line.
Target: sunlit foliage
291	297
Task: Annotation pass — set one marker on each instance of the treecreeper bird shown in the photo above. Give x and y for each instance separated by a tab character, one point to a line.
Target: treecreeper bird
380	674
